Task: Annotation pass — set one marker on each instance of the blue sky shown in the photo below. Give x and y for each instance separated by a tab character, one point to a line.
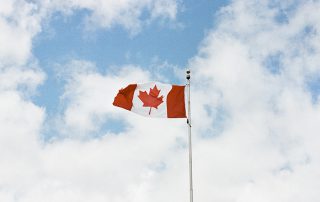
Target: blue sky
255	100
65	37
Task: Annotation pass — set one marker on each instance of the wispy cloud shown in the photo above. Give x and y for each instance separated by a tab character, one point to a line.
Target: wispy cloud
132	15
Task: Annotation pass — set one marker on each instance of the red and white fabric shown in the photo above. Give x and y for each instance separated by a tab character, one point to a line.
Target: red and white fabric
153	100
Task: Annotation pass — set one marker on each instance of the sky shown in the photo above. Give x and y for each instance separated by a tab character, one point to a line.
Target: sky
255	86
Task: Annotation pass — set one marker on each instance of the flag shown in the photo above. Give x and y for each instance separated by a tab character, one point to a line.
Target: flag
153	100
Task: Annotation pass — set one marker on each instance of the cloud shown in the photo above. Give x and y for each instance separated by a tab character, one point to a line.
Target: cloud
89	95
133	15
19	23
34	170
27	80
70	168
264	151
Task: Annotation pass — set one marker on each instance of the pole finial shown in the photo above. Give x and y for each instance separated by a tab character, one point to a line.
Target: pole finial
188	74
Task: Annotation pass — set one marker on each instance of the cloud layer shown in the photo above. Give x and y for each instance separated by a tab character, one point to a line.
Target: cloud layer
266	149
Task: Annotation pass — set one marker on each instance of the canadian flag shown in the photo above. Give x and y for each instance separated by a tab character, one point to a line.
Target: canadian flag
153	100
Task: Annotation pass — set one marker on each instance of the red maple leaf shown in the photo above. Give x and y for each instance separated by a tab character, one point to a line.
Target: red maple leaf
151	99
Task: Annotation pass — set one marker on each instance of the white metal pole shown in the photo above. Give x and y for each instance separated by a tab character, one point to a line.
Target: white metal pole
190	142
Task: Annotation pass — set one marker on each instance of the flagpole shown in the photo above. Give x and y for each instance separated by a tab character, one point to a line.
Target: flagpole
189	135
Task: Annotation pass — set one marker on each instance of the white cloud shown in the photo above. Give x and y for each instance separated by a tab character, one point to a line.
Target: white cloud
130	14
32	170
89	95
19	22
27	79
264	152
20	125
165	9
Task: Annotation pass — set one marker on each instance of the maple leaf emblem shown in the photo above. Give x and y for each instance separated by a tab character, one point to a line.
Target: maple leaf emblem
151	99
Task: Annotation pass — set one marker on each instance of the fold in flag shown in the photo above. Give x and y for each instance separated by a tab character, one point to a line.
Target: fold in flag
153	100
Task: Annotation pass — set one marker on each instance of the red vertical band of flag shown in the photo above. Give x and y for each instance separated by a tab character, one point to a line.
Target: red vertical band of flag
175	102
125	96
